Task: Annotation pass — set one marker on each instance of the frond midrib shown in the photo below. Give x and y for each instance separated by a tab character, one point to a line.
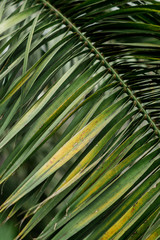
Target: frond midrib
105	63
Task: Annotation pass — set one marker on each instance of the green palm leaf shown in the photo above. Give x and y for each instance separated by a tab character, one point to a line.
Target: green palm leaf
80	120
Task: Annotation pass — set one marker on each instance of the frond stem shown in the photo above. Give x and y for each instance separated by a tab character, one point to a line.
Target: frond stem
90	45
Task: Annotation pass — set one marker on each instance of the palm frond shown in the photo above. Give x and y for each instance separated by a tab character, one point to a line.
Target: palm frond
80	120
